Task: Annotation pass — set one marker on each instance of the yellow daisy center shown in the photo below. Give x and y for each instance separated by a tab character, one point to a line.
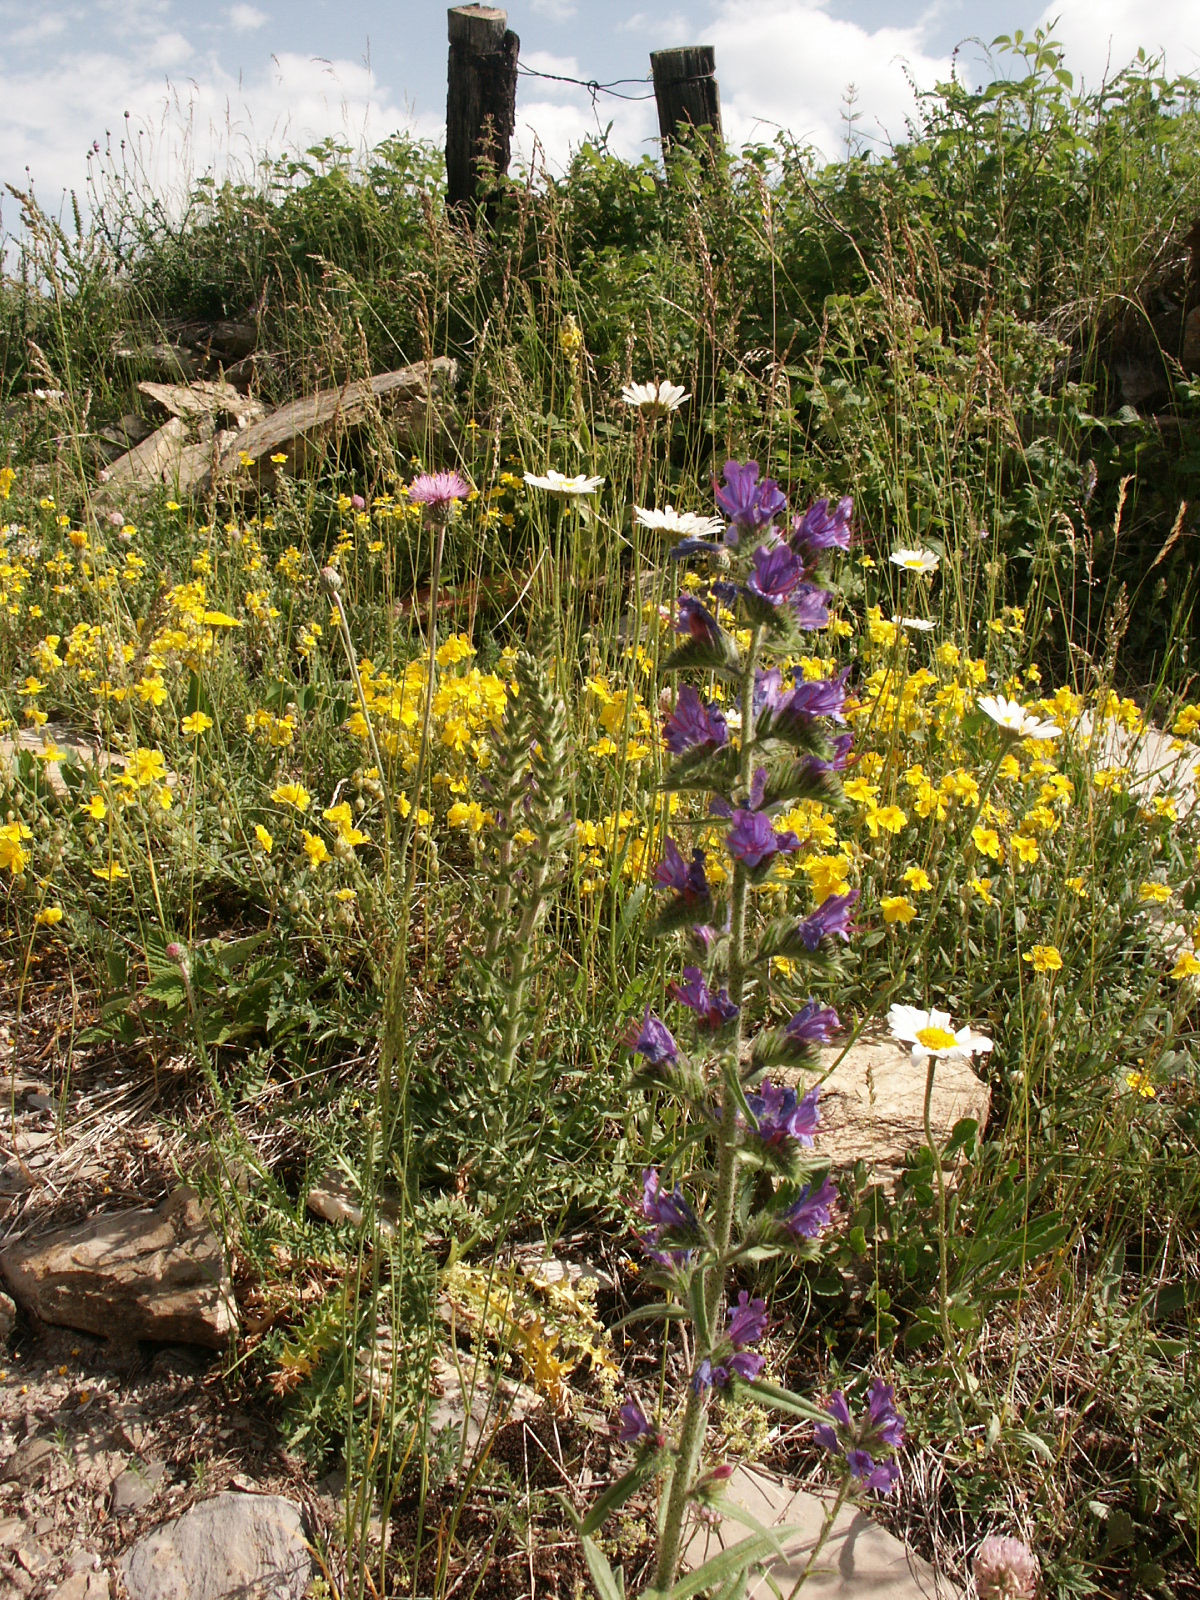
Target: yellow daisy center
936	1038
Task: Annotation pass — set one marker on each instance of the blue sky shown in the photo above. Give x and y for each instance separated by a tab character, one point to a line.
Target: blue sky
222	81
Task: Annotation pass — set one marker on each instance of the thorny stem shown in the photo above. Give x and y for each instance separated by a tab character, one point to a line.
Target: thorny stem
692	1434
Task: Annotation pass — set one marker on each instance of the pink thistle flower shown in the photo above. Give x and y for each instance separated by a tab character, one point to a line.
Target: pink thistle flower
438	489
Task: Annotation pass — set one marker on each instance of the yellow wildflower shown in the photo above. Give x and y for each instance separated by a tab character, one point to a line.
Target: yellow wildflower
1186	965
1044	958
987	842
315	849
291	794
111	873
49	916
917	879
1141	1084
897	908
263	837
1025	849
195	724
1156	894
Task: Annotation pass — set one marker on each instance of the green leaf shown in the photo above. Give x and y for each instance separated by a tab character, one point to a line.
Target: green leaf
609	1585
739	1558
783	1400
617	1493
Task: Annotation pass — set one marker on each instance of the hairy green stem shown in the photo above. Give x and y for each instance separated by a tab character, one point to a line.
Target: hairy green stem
939	1175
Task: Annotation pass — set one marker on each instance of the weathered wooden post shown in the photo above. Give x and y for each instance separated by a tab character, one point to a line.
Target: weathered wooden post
481	98
685	87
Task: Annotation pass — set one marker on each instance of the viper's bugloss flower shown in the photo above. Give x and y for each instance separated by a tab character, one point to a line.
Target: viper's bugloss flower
665	1208
747	1321
812	698
813	1024
697	620
810	607
880	1432
776	573
781	1114
831	918
693	725
633	1424
653	1040
752	840
712	1010
839	757
747	503
808	1216
686	878
822	528
743	1364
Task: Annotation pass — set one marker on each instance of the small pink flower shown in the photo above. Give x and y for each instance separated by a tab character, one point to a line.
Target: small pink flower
438	489
1005	1569
357	501
116	520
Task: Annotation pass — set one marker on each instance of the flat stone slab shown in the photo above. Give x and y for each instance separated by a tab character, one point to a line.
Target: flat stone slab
859	1560
247	1546
873	1103
144	1274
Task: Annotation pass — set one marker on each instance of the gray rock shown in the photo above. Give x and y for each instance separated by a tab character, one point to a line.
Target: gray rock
136	1487
83	1586
157	1274
12	1531
29	1463
8	1317
244	1545
858	1559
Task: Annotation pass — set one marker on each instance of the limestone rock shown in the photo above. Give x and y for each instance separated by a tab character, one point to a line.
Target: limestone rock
83	1586
859	1561
8	1317
141	1274
873	1103
245	1545
30	1462
136	1487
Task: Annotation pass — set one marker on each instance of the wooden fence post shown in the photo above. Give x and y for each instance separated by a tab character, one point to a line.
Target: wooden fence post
481	98
685	87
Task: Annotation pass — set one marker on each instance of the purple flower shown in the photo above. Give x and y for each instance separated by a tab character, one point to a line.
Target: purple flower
826	1434
686	878
1005	1569
816	697
885	1422
712	1010
752	840
819	528
666	1209
653	1041
811	607
747	1321
634	1424
694	725
840	758
809	1216
702	1378
748	503
357	501
832	917
697	620
438	489
813	1024
744	1364
691	546
776	573
780	1115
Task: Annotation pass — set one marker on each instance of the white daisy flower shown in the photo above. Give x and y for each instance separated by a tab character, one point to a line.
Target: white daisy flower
1012	716
689	524
924	562
559	483
930	1034
916	624
657	397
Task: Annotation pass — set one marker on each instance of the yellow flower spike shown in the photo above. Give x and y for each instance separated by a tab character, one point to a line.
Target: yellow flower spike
1044	958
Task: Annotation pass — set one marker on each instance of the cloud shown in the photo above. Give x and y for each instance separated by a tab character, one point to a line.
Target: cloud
245	19
555	10
788	64
1099	37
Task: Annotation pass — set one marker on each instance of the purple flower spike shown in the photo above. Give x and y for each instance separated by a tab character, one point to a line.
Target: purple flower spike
776	573
653	1041
747	503
747	1321
665	1208
879	1433
831	918
820	528
883	1478
826	1434
813	1024
839	760
712	1010
697	620
685	878
752	840
780	1115
634	1424
809	1216
694	725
